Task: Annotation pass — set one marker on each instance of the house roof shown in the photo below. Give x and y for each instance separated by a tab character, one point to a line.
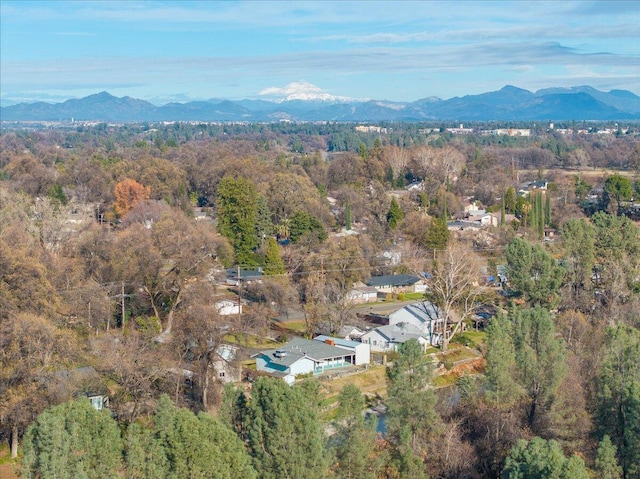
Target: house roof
347	330
424	311
298	348
338	341
393	280
396	333
363	289
232	273
227	352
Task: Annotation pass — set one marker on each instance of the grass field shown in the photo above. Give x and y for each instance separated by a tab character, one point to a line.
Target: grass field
251	341
371	382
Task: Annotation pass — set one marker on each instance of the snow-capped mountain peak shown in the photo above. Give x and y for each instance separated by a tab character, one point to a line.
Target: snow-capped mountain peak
302	91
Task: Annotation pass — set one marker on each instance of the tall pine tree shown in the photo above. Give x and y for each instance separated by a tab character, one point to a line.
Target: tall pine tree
282	431
73	440
619	396
273	263
237	212
412	421
394	215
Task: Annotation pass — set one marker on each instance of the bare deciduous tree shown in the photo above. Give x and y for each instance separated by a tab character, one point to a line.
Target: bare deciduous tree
454	287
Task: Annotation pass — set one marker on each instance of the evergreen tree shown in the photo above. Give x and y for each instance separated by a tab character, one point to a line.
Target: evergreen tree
541	459
525	360
394	215
533	272
362	151
198	446
303	223
437	236
237	211
354	441
581	187
264	226
412	420
579	253
282	432
503	390
502	213
72	440
617	237
606	465
540	358
144	455
540	216
510	200
547	210
533	214
618	188
619	396
273	263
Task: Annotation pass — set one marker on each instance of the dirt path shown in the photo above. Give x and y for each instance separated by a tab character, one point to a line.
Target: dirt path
6	471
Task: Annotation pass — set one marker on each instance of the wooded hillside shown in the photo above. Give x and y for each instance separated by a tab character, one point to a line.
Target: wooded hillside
121	246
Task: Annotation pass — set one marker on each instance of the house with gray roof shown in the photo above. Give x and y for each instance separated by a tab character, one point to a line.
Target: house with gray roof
303	356
390	337
362	351
425	316
397	283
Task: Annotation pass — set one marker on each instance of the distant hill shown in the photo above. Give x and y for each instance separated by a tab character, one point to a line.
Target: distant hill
508	103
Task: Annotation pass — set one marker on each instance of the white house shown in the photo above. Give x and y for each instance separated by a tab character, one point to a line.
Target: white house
303	356
228	307
424	316
484	219
362	294
226	368
390	337
361	350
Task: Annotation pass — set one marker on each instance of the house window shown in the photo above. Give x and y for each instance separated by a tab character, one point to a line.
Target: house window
221	374
97	402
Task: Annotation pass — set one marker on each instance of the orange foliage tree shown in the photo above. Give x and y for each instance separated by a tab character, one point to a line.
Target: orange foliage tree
128	192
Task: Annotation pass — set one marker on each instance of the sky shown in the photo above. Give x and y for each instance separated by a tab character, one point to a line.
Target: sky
164	51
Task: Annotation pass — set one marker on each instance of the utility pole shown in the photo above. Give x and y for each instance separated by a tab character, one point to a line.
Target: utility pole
122	296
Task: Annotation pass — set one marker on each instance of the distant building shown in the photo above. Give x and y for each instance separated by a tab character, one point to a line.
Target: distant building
460	131
397	283
370	129
508	132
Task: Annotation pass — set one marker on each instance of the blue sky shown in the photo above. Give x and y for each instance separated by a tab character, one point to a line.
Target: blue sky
387	50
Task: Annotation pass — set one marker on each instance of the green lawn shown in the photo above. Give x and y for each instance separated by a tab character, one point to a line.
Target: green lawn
457	354
473	339
413	296
251	341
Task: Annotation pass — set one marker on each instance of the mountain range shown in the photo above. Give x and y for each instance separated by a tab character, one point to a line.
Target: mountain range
507	104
